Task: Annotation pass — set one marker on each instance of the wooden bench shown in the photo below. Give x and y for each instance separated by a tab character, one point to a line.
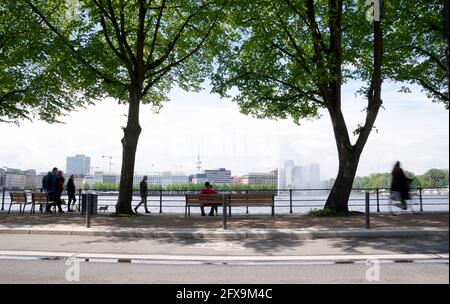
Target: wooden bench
18	198
251	199
39	198
198	200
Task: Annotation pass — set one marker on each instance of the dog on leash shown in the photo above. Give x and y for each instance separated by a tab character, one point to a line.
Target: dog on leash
103	208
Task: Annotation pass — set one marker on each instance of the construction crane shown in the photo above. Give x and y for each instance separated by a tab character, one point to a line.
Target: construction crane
110	161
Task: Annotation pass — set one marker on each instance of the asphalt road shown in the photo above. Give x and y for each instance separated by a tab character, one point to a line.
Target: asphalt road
36	271
30	259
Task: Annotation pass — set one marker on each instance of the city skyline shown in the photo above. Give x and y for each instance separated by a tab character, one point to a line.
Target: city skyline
412	129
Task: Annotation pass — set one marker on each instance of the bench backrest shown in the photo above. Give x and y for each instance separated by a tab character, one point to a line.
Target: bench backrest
18	197
251	198
203	198
39	197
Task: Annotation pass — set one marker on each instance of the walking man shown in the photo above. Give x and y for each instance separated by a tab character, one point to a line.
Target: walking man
143	189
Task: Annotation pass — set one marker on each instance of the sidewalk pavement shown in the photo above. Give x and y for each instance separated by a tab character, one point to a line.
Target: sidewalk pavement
297	226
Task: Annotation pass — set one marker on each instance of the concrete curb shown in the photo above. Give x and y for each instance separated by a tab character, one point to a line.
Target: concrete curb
258	234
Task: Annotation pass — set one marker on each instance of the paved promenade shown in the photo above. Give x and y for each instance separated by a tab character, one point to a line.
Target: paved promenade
238	227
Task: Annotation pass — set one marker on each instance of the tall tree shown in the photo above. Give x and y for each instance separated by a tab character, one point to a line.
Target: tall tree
133	51
416	36
291	58
33	80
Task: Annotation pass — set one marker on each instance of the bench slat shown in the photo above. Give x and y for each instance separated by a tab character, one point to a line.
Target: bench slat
18	197
39	197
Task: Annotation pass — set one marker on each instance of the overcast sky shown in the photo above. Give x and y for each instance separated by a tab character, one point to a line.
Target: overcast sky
411	129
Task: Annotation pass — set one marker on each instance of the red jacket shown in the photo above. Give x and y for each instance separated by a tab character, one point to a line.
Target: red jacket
208	191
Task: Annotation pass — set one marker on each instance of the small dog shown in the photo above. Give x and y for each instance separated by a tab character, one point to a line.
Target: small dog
104	208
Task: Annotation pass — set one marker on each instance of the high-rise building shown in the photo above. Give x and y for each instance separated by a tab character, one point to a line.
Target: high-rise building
13	178
30	176
167	178
314	175
298	177
218	176
78	164
3	173
260	178
281	178
288	171
199	178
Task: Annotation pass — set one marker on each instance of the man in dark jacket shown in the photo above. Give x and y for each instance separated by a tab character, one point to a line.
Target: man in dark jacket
50	187
143	189
59	190
45	181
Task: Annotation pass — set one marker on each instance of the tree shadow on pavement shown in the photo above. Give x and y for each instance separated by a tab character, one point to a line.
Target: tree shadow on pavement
404	245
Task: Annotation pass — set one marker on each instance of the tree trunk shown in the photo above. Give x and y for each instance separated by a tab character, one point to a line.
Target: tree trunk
348	162
129	146
340	193
445	19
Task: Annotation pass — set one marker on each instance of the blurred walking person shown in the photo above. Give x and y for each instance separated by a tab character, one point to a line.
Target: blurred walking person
143	190
71	190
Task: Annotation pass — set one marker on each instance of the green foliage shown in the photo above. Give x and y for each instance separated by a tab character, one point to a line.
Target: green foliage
86	187
170	51
35	78
415	49
321	212
431	178
435	178
269	57
133	51
185	187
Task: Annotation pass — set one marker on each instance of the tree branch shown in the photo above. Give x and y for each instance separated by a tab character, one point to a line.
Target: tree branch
163	71
140	40
171	45
121	56
155	33
301	60
318	48
374	94
120	33
124	33
4	97
71	48
430	88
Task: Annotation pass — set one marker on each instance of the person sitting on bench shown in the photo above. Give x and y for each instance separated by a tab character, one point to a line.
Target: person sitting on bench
208	190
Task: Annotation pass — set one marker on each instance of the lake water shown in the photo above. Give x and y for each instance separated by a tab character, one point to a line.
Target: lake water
300	203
